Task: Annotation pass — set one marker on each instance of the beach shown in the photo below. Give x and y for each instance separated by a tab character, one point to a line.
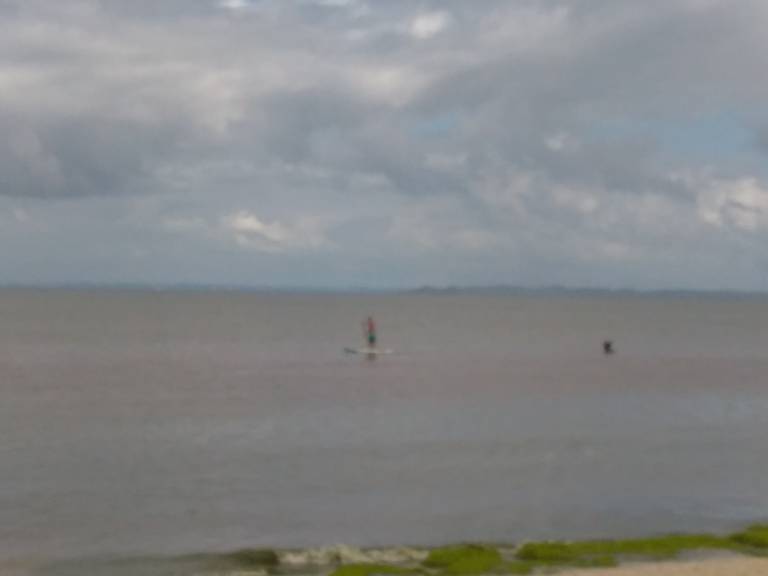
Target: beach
349	561
711	567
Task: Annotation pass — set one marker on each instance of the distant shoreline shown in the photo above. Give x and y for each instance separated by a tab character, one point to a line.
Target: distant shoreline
501	290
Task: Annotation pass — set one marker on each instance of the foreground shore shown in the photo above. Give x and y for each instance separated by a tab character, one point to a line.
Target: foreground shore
726	566
743	552
740	553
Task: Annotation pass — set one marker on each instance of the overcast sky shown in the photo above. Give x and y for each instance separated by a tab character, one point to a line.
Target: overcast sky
385	143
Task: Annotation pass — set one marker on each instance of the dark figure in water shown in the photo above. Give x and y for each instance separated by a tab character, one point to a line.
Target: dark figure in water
370	332
608	347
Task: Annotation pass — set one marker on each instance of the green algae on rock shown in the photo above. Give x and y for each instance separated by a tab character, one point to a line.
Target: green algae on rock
487	559
466	559
755	536
600	551
256	557
371	570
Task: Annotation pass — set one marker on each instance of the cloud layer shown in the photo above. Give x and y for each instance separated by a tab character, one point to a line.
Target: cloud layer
368	143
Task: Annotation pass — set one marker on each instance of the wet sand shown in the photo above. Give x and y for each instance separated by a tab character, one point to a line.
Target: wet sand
713	567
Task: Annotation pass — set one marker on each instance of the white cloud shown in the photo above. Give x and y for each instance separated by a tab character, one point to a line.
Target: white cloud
234	4
741	203
428	25
248	225
395	85
250	231
560	142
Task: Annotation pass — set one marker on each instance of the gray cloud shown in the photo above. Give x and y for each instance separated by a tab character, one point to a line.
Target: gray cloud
92	156
528	142
761	138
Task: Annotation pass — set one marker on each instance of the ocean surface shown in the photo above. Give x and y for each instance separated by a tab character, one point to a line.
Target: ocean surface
161	423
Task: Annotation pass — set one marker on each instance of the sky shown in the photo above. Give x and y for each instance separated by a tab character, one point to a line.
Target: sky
385	143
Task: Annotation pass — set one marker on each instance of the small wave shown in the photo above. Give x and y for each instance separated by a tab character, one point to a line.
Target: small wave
342	554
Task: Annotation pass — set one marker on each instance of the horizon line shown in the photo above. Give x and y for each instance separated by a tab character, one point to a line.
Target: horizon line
458	289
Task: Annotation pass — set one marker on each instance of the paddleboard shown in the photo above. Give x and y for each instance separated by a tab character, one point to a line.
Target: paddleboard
368	351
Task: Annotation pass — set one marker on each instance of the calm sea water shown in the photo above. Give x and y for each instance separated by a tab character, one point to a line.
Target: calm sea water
162	423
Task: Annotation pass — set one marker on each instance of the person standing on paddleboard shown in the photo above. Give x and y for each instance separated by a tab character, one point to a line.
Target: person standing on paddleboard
370	332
